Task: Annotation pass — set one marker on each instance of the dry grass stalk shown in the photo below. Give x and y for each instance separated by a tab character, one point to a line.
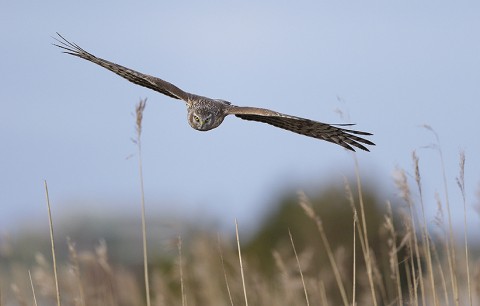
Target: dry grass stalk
75	266
366	250
241	263
220	252
356	222
410	222
409	258
43	277
441	273
139	117
307	207
354	276
439	220
451	241
424	229
413	300
323	294
378	279
139	108
393	253
54	259
461	185
33	288
180	265
299	268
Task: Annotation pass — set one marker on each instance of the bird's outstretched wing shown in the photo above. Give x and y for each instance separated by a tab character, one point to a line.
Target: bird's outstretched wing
333	133
133	76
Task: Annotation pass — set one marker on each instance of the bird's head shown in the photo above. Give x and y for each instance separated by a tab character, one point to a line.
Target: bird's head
203	119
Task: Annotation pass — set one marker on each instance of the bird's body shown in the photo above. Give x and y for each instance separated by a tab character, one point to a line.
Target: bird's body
204	113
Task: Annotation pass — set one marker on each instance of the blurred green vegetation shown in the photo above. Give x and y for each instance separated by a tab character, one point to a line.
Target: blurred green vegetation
336	214
107	255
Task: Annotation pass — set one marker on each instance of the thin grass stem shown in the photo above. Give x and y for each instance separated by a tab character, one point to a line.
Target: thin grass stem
307	207
180	264
461	185
224	270
241	263
299	268
139	117
368	261
451	241
354	276
424	229
33	289
54	259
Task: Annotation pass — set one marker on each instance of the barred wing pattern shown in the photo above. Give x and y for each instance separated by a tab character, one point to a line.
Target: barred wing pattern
332	133
133	76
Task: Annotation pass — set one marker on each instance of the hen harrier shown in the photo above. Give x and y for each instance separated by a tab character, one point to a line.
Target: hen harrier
205	113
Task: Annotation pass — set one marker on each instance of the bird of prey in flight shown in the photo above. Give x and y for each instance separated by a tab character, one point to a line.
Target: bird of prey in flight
205	113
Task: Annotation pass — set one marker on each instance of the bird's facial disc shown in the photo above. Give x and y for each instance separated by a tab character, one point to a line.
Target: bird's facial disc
201	120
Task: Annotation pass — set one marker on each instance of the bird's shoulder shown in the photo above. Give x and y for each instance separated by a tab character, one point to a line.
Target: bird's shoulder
194	99
224	102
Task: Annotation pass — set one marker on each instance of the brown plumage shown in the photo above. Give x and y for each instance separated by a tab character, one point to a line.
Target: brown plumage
205	113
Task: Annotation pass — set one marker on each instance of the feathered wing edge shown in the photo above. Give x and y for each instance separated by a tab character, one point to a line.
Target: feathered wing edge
133	76
333	133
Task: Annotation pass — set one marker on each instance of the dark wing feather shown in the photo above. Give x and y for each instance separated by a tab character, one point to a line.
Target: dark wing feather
332	133
133	76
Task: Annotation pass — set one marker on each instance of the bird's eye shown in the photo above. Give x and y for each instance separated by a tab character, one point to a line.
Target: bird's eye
207	120
195	117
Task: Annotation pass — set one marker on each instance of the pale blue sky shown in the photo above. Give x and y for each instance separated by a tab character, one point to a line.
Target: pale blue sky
391	66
